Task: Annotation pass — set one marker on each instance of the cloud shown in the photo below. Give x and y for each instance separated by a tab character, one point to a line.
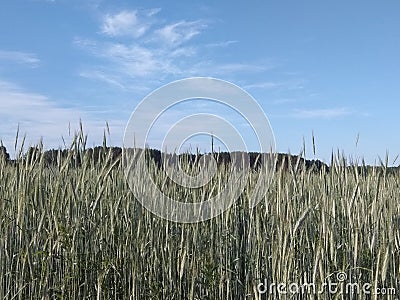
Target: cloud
102	76
327	113
20	57
179	32
39	116
264	85
153	50
124	23
153	12
220	44
124	62
19	102
135	59
183	52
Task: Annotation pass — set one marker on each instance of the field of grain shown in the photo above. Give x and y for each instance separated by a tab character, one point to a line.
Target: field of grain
74	230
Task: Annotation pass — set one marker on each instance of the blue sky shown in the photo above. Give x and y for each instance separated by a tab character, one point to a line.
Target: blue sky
332	69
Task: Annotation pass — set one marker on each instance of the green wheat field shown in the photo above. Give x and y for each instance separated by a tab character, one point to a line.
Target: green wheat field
73	229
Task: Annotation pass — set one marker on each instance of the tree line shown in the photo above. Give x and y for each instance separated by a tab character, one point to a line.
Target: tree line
101	154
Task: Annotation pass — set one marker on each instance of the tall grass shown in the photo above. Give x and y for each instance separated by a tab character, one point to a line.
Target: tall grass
75	231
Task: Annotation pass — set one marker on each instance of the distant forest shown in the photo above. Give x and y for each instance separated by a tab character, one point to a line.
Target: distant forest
101	154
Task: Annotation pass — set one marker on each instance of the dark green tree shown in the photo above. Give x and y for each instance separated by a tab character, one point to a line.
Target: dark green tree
4	154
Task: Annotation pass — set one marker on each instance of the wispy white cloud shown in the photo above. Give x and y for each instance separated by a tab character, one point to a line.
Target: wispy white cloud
38	116
153	49
124	23
220	44
241	67
102	76
180	32
264	85
327	113
152	12
124	62
137	60
183	52
19	57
